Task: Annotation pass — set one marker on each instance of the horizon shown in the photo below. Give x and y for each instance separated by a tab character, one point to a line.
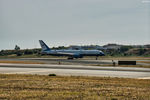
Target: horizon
73	45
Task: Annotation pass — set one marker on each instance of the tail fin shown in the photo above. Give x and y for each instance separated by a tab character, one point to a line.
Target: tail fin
44	46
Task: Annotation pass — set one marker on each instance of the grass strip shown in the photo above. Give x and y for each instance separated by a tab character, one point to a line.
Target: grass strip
42	87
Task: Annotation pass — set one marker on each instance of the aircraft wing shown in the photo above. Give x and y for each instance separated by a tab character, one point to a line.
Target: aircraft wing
65	53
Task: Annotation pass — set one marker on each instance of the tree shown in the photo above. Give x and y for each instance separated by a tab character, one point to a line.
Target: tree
1	52
28	52
141	51
17	47
125	48
17	50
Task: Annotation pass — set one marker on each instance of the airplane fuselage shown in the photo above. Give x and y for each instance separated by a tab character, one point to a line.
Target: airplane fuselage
76	53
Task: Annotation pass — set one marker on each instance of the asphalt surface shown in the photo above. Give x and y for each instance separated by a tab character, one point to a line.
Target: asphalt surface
76	70
79	61
65	61
76	67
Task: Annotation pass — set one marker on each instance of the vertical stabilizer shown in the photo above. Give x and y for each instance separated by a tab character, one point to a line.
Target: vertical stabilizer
44	46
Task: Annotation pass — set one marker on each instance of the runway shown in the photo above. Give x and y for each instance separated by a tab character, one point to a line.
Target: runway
76	70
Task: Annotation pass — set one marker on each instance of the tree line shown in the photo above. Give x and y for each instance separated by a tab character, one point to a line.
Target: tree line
123	51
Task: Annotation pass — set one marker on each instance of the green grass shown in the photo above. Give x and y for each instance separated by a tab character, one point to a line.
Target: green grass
20	62
40	87
31	56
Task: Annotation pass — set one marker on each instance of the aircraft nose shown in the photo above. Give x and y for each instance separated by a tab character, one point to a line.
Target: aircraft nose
102	53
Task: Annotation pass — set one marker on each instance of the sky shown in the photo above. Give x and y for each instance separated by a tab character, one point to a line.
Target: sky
73	22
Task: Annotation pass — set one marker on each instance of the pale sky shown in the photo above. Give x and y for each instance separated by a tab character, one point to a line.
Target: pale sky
73	22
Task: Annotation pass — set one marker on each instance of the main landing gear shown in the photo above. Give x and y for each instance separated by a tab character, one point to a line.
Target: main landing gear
96	57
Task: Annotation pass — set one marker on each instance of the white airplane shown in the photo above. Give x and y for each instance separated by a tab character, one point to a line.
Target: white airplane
70	53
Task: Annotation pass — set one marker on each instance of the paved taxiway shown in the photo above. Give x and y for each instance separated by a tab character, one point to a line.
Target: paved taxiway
76	70
80	61
65	61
